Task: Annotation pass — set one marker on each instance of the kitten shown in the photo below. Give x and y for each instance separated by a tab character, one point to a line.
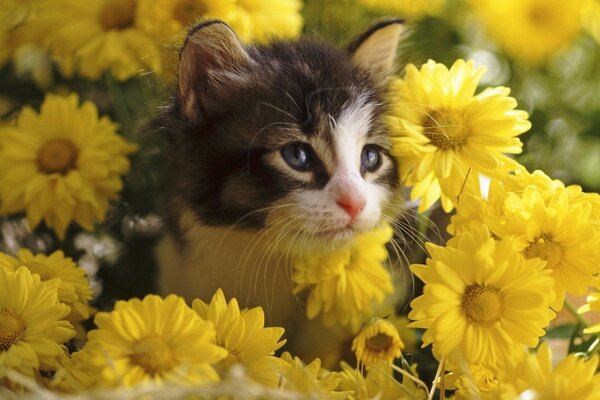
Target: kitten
275	151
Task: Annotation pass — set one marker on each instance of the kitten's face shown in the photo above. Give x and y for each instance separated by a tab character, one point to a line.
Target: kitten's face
287	138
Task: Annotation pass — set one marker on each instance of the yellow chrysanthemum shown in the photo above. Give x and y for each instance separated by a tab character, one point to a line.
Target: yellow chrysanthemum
481	300
73	284
409	9
253	20
32	325
93	37
379	383
474	382
378	342
346	285
572	378
445	136
62	164
244	336
530	30
593	304
151	340
552	228
590	16
311	379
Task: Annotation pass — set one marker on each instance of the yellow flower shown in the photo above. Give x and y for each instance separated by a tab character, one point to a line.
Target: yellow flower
92	37
379	383
32	326
481	300
555	229
153	340
590	16
476	381
311	379
347	285
593	304
530	30
244	336
572	378
378	342
409	9
253	20
73	284
61	164
445	136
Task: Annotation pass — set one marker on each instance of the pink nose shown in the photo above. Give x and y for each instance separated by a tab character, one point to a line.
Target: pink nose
352	205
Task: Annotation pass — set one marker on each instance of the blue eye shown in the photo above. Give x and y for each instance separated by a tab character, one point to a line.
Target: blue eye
297	155
370	158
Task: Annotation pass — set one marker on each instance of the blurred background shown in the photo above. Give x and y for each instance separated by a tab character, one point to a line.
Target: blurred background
121	55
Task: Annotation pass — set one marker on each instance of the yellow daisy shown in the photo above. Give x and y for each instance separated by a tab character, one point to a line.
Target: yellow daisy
244	336
152	340
530	30
73	284
590	16
445	136
347	285
481	300
64	155
409	9
572	378
311	379
93	37
552	228
378	342
476	381
379	383
593	304
32	325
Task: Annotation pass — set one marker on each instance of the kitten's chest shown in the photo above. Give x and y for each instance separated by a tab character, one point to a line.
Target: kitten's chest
245	265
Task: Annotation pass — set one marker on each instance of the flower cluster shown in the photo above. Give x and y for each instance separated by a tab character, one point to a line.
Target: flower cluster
132	37
520	247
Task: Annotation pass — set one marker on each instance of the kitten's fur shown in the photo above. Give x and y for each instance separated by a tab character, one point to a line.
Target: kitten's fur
238	211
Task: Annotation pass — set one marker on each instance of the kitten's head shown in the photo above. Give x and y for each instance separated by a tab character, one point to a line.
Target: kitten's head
287	136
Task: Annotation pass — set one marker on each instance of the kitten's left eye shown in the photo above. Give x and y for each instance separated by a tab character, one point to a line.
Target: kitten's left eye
370	158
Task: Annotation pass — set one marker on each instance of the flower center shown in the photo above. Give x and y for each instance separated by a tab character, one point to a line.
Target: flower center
233	357
153	355
446	130
12	328
117	14
546	249
482	304
57	156
379	342
187	11
542	15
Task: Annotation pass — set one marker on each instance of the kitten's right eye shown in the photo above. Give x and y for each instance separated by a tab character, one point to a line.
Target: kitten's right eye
298	155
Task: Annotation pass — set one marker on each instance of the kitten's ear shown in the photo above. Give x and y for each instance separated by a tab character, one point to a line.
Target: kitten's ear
211	49
375	50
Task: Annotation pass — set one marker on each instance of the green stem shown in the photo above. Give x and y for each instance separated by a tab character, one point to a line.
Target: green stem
573	311
594	347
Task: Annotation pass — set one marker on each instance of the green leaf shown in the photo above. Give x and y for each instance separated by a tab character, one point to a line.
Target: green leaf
564	331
